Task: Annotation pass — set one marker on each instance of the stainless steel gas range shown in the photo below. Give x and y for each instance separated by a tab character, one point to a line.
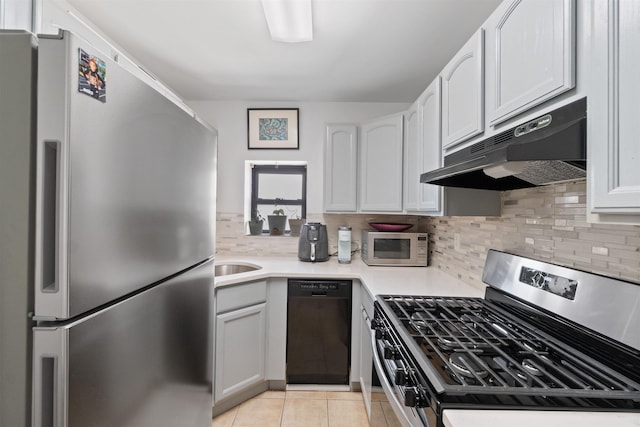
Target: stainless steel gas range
544	337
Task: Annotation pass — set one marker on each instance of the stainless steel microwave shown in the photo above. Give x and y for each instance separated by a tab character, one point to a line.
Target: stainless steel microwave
401	249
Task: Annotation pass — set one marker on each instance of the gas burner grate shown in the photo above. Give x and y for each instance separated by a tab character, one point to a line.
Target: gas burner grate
475	346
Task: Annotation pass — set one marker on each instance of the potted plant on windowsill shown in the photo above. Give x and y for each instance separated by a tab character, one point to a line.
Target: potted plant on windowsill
277	221
295	224
255	224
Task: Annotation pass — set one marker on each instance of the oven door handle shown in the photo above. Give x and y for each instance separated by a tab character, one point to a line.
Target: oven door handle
396	405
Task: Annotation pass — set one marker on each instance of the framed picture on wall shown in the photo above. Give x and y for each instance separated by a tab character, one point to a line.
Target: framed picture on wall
270	128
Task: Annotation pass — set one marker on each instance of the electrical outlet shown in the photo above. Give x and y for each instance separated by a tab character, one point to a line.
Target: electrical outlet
456	241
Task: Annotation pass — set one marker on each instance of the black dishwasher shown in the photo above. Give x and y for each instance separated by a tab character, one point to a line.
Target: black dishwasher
318	331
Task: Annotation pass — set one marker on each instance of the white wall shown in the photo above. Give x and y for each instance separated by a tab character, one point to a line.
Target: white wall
52	15
230	119
16	15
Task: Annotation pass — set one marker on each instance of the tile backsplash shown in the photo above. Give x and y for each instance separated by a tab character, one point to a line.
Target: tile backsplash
547	223
232	239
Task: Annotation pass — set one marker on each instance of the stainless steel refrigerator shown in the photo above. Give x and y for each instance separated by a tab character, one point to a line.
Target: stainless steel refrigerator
107	234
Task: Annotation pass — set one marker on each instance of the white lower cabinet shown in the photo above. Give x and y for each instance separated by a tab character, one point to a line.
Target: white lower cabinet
240	350
240	338
251	340
366	352
277	331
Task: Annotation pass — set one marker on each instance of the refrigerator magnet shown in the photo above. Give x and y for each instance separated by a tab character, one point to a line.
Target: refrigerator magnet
92	76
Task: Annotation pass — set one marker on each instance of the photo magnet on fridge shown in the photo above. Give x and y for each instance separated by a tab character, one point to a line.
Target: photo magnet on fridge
92	76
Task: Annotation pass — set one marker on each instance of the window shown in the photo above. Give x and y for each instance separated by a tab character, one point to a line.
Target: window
279	186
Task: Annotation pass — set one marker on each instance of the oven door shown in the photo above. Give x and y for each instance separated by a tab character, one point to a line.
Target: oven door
407	416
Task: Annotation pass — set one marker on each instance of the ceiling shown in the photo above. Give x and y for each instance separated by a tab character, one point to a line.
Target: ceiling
363	50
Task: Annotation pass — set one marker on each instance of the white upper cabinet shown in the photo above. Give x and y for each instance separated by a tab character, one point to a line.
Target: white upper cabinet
530	55
422	151
340	168
462	93
380	167
613	150
435	200
412	163
430	153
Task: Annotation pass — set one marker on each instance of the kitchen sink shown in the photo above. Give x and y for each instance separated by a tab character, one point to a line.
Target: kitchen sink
235	268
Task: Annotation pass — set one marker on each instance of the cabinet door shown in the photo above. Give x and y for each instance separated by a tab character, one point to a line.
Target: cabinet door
340	170
530	55
614	151
430	153
463	93
240	350
277	331
381	176
366	360
412	162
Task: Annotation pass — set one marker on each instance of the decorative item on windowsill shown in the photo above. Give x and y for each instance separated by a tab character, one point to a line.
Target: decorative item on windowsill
277	221
255	224
295	222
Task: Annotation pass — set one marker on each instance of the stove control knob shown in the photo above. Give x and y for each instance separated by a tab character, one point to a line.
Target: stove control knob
375	323
391	352
380	333
401	377
414	397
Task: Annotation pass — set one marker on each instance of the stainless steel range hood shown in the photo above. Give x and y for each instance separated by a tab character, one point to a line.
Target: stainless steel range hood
550	148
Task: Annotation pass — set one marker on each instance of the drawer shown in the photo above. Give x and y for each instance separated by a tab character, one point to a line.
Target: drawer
242	295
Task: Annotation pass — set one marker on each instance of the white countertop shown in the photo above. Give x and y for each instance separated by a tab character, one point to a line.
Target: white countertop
420	281
464	418
377	280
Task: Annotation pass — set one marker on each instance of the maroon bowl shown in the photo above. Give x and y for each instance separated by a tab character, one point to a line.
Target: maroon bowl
390	226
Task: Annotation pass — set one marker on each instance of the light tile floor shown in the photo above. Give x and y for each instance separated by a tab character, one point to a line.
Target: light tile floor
294	408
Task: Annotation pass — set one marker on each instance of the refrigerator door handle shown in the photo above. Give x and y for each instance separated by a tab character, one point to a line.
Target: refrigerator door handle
49	379
51	231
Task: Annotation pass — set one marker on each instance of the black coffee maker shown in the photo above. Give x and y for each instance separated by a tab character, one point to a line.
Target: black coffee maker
313	245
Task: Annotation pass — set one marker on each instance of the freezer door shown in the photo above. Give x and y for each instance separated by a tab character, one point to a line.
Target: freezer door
144	362
126	187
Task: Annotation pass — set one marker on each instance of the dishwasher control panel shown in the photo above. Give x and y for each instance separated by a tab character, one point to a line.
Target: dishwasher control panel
319	286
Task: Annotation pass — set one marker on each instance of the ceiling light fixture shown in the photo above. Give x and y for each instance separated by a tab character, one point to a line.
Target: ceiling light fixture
289	20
